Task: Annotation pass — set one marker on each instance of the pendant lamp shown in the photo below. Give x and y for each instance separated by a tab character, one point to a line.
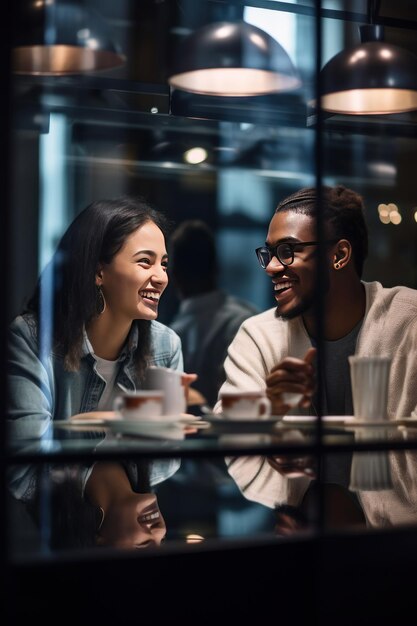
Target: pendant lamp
373	78
232	59
54	37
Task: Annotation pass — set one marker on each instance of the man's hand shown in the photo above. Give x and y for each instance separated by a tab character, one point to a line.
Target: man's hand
291	376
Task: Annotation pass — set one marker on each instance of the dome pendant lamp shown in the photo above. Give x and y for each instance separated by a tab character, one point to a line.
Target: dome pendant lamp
59	37
373	78
232	59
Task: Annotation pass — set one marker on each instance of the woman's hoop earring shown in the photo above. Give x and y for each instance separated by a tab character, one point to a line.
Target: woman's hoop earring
101	520
337	266
101	301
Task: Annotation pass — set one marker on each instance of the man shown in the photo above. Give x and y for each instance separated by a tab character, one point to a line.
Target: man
208	318
275	350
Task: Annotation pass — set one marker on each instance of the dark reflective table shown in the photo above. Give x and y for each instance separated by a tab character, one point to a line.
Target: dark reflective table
208	481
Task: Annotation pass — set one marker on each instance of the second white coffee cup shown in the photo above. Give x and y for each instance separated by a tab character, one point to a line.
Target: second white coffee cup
238	404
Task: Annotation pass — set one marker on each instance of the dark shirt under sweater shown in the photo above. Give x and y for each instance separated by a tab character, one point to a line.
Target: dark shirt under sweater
337	399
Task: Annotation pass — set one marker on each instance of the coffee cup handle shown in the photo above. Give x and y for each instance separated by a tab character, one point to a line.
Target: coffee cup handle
117	404
264	407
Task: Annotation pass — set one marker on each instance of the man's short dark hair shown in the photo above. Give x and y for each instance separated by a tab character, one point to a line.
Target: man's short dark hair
343	213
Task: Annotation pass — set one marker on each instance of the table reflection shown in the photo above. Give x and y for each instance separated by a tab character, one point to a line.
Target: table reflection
396	505
380	490
133	502
371	470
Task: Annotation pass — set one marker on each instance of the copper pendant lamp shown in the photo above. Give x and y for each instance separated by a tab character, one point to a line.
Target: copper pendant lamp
232	59
54	37
372	78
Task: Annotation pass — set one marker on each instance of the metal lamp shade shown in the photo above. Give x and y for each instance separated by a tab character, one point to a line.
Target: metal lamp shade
373	78
232	59
60	38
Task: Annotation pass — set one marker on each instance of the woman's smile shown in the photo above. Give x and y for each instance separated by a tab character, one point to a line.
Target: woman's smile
135	279
150	298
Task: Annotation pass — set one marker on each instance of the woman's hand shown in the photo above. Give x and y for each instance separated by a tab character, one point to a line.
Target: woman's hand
186	380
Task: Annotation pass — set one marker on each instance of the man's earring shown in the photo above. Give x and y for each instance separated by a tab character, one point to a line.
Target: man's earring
101	301
337	266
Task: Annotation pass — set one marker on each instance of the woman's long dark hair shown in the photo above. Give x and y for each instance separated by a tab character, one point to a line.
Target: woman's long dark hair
94	237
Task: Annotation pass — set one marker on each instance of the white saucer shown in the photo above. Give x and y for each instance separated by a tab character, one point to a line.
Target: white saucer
165	429
341	420
326	419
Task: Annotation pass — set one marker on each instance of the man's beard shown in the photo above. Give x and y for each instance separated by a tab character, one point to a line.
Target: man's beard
309	303
305	305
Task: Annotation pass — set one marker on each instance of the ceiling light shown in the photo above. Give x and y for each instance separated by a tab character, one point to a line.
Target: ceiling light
232	59
194	538
195	155
60	38
373	78
395	218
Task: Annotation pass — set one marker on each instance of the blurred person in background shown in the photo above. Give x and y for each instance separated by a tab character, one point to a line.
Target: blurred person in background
208	317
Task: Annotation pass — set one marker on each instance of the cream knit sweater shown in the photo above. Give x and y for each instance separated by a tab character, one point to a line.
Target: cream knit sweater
389	328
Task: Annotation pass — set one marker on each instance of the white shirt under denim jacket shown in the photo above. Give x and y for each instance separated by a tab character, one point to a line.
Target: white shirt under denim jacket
41	390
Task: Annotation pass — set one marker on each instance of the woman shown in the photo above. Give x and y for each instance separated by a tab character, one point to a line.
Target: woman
90	328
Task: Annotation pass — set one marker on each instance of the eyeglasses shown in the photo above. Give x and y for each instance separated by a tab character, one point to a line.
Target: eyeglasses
283	251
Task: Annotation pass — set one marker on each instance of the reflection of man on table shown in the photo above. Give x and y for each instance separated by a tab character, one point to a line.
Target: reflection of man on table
275	350
380	506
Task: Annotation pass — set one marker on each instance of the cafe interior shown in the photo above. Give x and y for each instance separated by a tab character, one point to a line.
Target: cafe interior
211	110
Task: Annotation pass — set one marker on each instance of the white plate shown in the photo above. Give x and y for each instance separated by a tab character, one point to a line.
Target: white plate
99	423
159	419
326	419
119	425
105	417
342	420
167	429
242	425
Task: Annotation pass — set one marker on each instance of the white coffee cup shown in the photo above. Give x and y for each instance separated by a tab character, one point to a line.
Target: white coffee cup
239	404
170	382
139	405
370	378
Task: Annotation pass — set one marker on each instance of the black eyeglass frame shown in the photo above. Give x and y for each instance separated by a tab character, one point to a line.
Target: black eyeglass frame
292	245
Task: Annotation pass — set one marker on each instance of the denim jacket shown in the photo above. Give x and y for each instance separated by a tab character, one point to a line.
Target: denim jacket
41	390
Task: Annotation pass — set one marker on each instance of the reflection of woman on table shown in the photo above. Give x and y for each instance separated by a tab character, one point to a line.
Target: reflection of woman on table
90	328
128	519
110	506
